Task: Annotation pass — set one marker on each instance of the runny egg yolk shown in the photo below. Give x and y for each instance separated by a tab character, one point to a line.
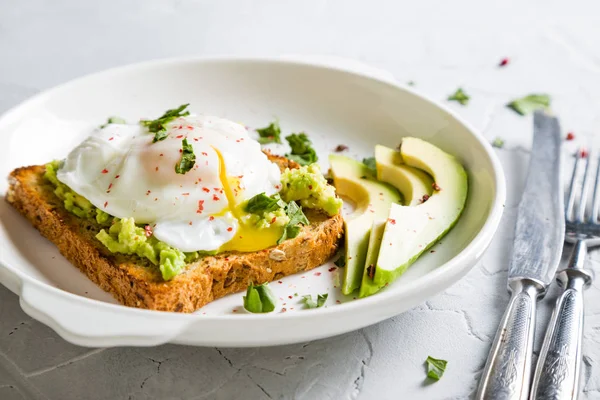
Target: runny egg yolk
248	237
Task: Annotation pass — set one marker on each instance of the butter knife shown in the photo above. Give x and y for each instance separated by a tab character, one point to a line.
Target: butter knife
537	247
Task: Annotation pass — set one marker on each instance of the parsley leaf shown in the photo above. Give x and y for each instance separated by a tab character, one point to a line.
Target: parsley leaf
498	142
297	217
157	126
188	158
529	104
270	134
371	164
259	299
310	303
435	368
341	261
302	151
459	96
113	120
261	203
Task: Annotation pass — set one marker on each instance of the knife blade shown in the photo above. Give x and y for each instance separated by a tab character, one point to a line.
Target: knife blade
540	229
537	247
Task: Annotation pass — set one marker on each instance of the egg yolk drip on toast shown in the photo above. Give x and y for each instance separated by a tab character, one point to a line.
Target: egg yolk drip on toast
248	237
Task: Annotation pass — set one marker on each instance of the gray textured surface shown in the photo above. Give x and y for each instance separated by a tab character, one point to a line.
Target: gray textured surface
438	44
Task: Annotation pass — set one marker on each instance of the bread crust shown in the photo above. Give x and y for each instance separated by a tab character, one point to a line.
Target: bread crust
135	283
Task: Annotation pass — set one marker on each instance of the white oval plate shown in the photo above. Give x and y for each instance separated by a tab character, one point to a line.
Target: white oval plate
333	105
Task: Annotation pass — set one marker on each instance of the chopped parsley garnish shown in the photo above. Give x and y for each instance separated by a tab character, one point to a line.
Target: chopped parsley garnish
157	126
435	368
371	164
302	151
529	104
270	134
498	142
459	96
310	303
259	299
113	120
261	203
341	261
297	218
188	158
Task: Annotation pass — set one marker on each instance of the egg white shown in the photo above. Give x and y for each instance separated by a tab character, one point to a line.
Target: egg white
120	171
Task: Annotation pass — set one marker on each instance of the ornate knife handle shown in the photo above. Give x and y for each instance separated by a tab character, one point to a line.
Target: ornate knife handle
557	373
507	371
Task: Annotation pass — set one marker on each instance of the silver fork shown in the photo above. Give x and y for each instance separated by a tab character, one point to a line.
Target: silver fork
559	364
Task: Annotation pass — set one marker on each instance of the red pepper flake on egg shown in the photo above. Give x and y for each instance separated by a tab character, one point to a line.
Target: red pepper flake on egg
185	194
583	153
211	218
148	230
504	62
215	197
178	136
273	220
148	192
105	171
105	204
111	138
392	221
205	153
424	198
117	177
206	189
317	274
200	207
436	187
341	147
229	229
570	136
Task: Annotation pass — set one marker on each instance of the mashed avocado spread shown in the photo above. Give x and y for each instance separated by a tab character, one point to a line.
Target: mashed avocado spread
305	185
123	236
308	186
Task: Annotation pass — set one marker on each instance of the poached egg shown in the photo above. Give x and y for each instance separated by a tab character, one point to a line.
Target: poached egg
121	172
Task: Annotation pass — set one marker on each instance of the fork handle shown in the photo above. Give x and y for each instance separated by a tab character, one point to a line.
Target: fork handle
559	365
507	371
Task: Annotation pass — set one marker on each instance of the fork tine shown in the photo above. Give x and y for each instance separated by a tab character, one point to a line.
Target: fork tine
571	200
580	213
596	198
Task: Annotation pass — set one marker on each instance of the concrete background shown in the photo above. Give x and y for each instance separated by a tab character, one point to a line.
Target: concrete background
440	45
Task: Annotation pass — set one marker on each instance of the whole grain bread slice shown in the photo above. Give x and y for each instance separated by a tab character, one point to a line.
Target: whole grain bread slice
135	282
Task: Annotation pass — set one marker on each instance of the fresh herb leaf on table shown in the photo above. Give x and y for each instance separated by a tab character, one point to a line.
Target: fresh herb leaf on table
498	142
528	104
157	126
459	96
302	150
310	303
435	368
270	134
259	299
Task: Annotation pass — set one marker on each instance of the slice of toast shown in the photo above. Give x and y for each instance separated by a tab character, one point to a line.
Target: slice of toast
135	282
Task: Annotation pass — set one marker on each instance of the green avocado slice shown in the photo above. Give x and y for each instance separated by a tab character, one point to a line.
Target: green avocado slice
411	182
409	231
372	199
